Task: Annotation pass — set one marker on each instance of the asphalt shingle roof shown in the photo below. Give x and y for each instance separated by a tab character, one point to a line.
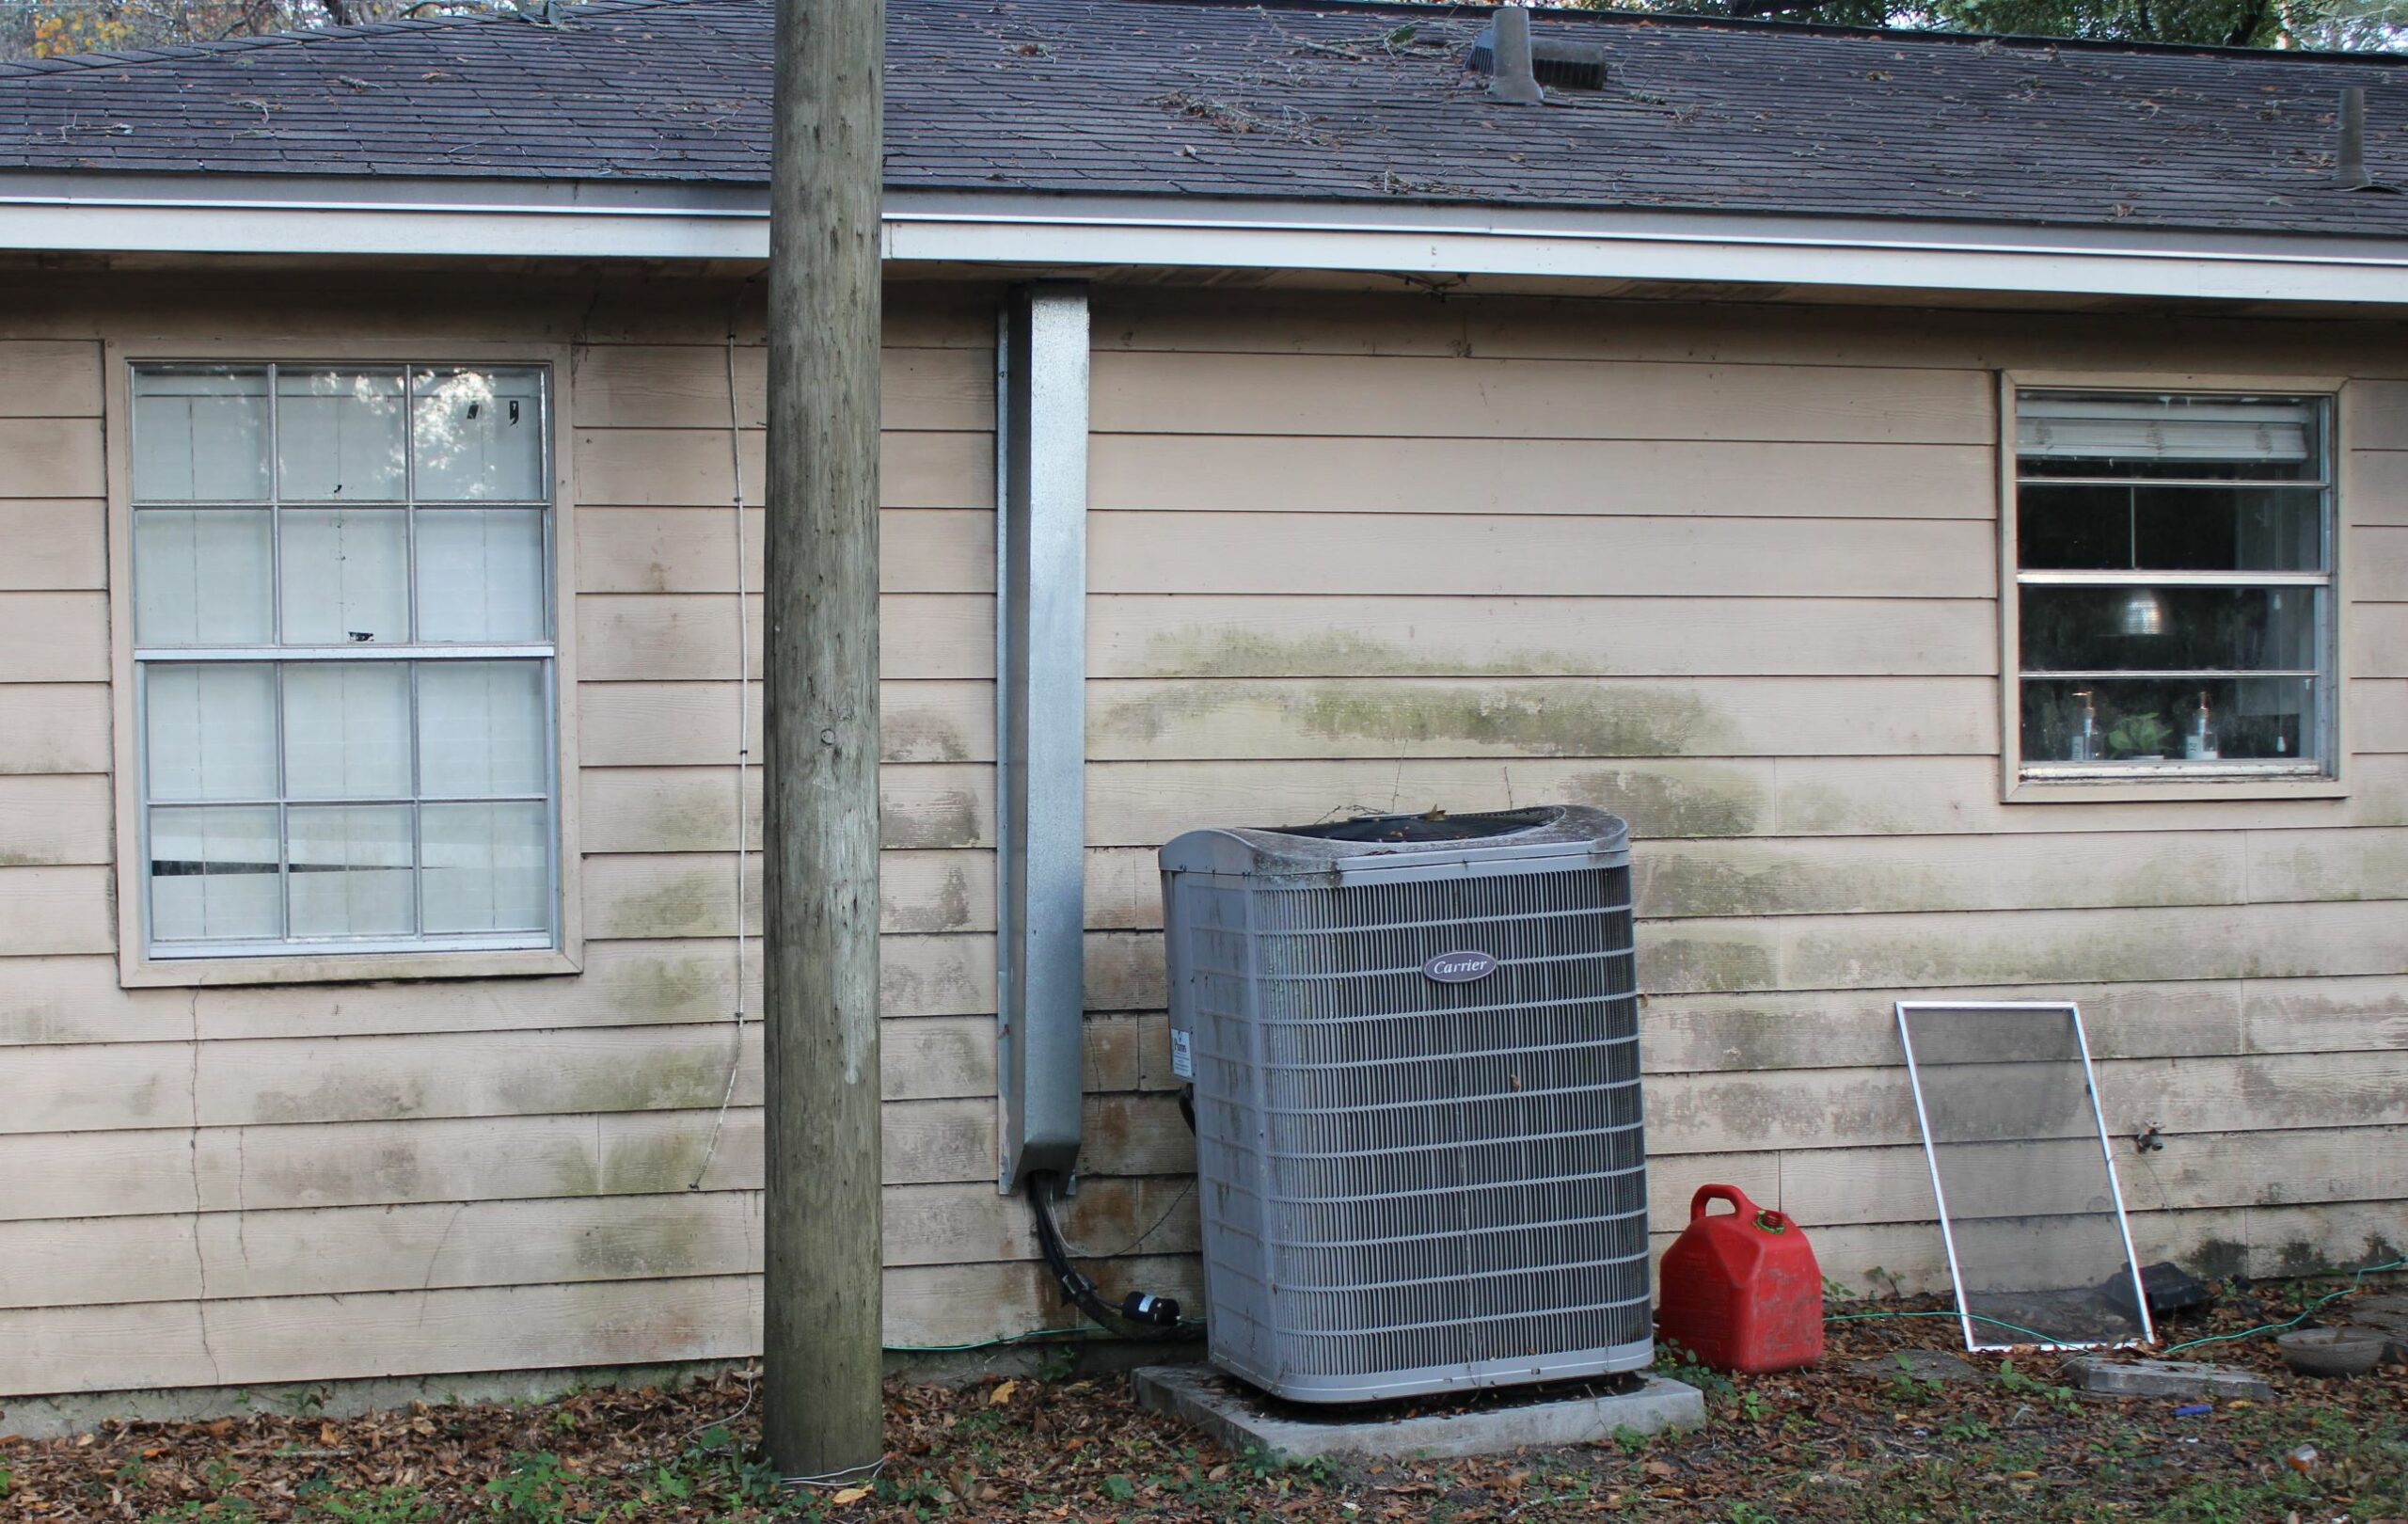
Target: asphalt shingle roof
1323	103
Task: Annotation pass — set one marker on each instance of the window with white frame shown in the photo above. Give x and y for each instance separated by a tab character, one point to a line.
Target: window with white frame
2174	584
344	657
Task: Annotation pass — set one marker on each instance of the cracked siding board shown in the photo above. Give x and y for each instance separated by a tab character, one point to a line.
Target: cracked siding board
78	999
53	636
50	457
538	1072
1144	804
53	544
639	468
446	1245
691	637
653	895
691	809
1158	635
250	1343
685	386
1257	720
1413	396
694	549
50	378
53	820
1751	479
2378	483
56	909
256	1341
1548	555
2195	1170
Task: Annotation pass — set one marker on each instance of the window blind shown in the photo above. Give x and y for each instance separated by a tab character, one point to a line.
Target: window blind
2062	427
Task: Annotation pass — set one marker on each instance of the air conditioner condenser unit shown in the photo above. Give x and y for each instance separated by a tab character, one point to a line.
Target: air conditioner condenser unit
1413	1041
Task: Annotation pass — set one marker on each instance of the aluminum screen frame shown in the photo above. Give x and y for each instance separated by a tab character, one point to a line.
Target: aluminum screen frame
1965	1316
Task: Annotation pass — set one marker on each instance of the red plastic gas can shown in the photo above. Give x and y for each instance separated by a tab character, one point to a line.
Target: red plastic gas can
1741	1291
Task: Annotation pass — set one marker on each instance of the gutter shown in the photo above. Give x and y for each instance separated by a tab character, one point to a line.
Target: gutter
584	220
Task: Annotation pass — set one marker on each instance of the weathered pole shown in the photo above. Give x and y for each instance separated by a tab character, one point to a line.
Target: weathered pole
821	1342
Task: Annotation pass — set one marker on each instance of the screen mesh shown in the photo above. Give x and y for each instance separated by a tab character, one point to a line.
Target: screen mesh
2037	1239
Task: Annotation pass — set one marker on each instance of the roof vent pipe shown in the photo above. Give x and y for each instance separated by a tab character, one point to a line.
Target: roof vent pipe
1514	81
2350	172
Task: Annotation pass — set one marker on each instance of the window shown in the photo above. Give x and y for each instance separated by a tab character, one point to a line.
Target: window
2174	585
344	659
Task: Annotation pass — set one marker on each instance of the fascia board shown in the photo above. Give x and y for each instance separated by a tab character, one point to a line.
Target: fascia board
502	220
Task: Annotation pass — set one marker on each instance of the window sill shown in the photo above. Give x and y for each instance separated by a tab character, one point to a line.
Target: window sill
343	968
2164	789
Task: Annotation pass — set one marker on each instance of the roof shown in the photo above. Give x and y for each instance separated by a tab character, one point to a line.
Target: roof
1318	103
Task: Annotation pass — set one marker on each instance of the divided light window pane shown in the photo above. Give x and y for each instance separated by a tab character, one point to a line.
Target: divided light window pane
351	874
210	731
481	729
202	577
201	434
312	545
347	730
480	575
2176	597
338	436
346	575
478	435
487	868
214	874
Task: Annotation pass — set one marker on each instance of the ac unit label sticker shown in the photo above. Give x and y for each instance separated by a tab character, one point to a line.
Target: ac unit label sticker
1459	967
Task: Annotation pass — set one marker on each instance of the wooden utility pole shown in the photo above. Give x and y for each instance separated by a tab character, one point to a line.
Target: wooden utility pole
820	710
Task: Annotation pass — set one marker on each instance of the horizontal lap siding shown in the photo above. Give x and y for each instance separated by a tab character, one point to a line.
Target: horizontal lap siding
233	1186
1735	576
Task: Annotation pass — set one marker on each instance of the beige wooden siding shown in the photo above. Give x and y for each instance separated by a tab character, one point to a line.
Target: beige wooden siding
231	1186
1732	573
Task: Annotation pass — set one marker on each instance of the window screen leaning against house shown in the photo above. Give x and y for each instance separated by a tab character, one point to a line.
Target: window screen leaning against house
343	659
2175	586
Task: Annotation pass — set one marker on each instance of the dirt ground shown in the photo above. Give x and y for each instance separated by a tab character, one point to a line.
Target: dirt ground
1871	1445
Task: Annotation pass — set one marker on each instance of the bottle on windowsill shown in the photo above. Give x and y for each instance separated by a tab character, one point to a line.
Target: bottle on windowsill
2200	744
2086	746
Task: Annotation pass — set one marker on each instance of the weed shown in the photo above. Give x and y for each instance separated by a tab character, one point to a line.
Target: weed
1752	1407
534	1490
1906	1389
133	1474
381	1505
2063	1399
1678	1363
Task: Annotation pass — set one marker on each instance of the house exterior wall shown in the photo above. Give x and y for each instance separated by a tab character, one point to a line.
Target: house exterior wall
1731	571
230	1186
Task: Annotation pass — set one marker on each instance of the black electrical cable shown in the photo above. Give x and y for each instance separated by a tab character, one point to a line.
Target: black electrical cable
1140	1315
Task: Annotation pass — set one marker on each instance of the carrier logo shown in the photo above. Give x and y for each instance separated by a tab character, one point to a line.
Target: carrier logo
1459	967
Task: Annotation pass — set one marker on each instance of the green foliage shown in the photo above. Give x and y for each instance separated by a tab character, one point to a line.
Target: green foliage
2139	735
535	1490
1678	1363
51	28
380	1505
2369	25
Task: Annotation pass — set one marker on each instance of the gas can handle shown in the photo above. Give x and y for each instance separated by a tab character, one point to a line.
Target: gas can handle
1733	1194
